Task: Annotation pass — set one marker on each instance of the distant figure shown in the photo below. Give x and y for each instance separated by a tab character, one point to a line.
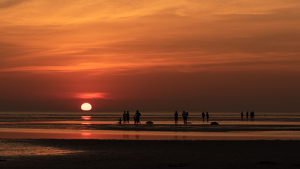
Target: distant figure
184	116
252	115
137	117
124	117
247	114
242	115
127	115
203	116
176	117
207	116
120	120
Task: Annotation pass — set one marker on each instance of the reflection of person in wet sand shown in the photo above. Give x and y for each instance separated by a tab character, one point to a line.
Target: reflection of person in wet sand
176	117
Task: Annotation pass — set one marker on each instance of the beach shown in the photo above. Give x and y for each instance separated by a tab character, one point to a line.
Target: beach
65	141
64	153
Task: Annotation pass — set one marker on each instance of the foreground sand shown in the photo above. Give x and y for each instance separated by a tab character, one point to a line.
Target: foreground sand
49	153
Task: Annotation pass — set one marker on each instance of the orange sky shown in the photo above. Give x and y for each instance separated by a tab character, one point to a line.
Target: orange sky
160	55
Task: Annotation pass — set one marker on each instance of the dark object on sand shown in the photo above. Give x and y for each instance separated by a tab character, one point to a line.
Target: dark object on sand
214	123
149	122
120	121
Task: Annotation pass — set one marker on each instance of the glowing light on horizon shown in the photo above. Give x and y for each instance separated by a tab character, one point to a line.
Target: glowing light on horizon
86	107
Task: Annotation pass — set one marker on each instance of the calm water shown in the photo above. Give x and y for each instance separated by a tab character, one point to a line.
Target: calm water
66	125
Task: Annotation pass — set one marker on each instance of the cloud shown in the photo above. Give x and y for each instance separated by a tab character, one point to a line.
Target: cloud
93	95
11	3
143	36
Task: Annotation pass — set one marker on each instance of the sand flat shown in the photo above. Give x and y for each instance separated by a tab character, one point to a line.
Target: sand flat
155	154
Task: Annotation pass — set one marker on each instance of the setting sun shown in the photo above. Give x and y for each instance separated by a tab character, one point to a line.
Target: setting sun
86	107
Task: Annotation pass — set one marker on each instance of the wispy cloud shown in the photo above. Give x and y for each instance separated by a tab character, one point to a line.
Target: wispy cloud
92	95
11	3
72	36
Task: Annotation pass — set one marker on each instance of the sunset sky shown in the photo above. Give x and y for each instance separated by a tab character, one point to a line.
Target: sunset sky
166	55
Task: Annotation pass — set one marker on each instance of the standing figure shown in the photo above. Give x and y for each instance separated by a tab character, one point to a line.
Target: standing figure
176	117
207	116
242	115
203	116
124	117
134	119
137	117
184	116
247	114
252	115
127	116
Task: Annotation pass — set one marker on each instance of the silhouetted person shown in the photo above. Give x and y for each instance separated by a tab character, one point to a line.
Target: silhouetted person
252	115
247	114
134	118
176	117
207	116
137	117
124	117
127	115
184	116
242	115
203	116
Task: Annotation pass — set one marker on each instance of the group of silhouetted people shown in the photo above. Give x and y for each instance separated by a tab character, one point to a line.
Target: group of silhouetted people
126	117
247	115
203	116
185	116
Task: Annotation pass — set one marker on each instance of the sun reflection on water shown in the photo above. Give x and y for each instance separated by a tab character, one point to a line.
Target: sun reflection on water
86	117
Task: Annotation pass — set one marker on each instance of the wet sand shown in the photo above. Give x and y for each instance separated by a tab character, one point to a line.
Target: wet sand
57	153
29	133
206	127
223	146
